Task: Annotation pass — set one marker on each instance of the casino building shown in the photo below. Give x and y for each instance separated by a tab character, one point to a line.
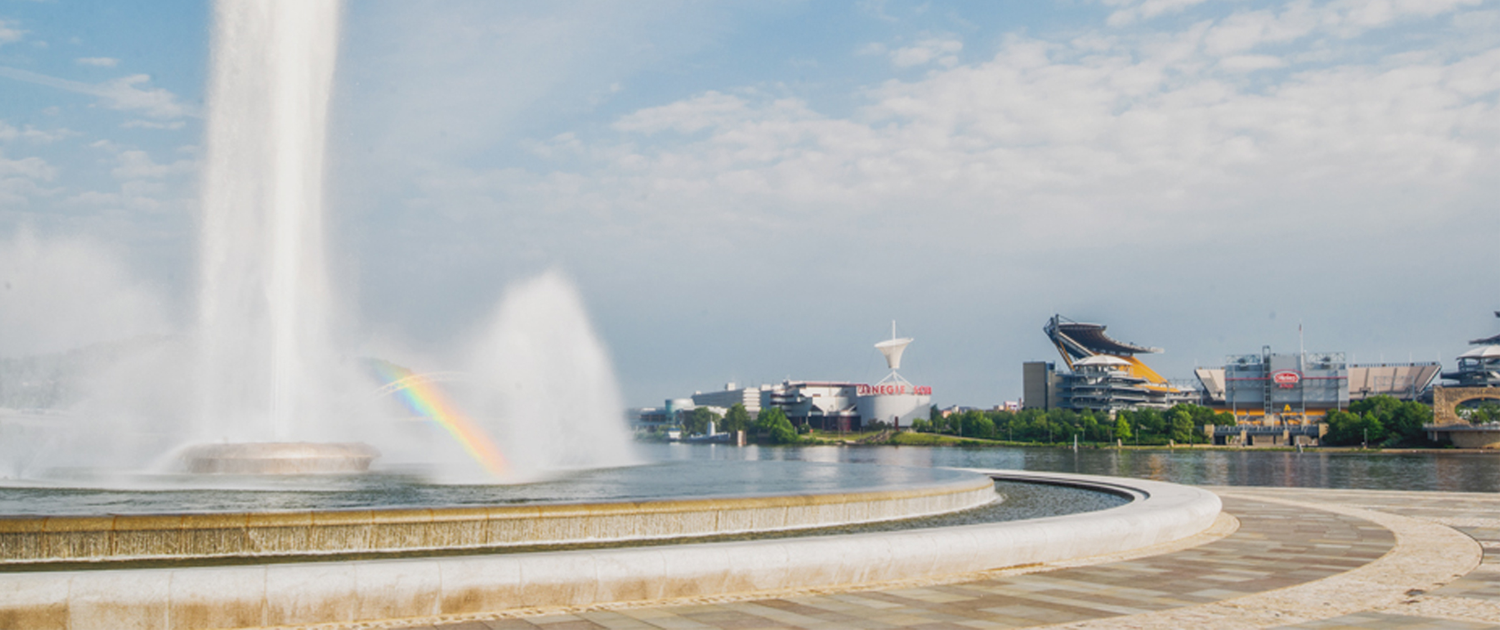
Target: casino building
829	405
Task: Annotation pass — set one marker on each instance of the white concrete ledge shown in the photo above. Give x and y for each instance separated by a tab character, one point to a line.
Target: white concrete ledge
304	593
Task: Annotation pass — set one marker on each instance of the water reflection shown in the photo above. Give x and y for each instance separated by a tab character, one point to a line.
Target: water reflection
1455	472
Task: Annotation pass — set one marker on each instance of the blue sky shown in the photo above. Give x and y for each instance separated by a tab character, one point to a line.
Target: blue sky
751	191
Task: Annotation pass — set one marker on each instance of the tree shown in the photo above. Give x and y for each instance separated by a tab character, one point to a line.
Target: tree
697	421
1346	428
1150	422
774	423
1122	428
689	422
1181	421
973	423
1090	427
737	418
1402	421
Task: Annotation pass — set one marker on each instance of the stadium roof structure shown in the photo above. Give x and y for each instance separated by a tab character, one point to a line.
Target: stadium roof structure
1487	341
1079	340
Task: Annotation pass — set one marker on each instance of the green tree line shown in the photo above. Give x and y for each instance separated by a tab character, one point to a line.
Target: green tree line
770	424
1380	421
1182	423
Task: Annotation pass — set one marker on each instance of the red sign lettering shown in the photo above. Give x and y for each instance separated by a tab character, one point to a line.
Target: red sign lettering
892	390
1286	378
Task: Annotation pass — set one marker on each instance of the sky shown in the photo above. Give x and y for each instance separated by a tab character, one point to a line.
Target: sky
754	191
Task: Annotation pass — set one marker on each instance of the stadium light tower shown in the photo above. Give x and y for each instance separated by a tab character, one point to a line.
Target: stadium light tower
892	348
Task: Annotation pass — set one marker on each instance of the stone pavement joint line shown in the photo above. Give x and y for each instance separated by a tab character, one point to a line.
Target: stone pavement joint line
1300	558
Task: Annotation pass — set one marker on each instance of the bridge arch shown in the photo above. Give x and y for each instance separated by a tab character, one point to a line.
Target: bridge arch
1445	401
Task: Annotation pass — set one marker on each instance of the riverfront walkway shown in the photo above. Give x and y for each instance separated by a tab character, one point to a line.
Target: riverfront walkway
1283	557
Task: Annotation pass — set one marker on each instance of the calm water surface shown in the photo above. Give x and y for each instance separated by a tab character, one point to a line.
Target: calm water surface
665	478
1456	472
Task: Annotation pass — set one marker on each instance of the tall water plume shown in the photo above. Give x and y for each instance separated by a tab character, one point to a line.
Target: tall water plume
264	296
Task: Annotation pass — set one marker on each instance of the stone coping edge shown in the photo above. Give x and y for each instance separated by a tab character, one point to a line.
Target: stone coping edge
69	540
475	587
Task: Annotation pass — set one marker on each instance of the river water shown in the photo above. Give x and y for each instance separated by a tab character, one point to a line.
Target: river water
1456	472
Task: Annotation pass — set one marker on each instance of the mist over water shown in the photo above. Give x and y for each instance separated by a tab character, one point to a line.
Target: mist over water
113	394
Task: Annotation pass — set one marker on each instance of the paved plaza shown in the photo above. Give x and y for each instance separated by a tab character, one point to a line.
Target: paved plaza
1280	557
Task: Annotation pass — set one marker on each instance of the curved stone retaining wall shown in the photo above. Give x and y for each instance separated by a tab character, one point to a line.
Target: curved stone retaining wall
320	592
33	540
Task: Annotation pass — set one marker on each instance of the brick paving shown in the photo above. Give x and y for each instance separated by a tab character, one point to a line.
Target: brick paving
1285	545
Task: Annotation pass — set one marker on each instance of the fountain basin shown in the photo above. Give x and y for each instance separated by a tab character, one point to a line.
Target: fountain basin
50	539
278	458
424	590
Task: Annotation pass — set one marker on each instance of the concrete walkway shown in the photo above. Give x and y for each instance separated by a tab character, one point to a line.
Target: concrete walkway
1298	558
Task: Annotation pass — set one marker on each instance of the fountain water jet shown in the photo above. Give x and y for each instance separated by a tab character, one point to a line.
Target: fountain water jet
264	296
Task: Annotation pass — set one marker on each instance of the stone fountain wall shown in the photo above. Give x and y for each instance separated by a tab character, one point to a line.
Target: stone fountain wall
43	540
425	590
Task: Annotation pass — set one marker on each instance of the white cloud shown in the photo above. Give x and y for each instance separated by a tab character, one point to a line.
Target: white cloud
1114	143
134	93
10	33
32	134
22	179
152	124
129	93
1250	63
700	112
942	50
136	164
98	62
1133	11
143	184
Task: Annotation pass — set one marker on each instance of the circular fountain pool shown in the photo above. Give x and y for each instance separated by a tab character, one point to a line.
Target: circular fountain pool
662	481
378	514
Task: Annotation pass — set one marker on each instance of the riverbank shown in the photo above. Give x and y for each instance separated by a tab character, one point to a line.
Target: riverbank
908	438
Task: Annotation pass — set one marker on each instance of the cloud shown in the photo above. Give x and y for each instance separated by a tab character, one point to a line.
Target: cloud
98	62
144	185
1250	63
136	164
700	112
21	179
151	124
1131	142
32	134
942	50
10	33
1133	11
129	93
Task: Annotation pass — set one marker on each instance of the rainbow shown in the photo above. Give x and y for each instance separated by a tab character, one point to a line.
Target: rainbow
423	398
